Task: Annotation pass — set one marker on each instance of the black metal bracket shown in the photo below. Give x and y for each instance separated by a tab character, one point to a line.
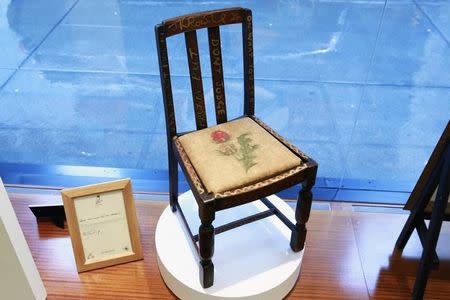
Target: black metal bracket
53	212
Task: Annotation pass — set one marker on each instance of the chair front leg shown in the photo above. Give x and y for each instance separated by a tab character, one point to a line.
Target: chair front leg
302	212
206	247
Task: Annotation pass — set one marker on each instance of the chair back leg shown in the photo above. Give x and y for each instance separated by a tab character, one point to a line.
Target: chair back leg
173	180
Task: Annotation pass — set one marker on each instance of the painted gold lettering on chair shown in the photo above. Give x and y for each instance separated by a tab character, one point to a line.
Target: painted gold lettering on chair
217	74
195	64
196	79
248	61
193	22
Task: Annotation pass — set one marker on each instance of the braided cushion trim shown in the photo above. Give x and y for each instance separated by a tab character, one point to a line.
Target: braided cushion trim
189	167
263	183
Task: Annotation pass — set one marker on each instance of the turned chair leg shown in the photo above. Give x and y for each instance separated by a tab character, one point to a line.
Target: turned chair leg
302	211
173	181
206	247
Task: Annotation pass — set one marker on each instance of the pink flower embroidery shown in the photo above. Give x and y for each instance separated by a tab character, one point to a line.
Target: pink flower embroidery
220	136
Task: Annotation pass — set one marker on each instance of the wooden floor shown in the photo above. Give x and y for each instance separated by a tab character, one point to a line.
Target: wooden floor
349	255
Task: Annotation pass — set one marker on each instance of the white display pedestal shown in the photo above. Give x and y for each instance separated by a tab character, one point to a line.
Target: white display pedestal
19	277
253	261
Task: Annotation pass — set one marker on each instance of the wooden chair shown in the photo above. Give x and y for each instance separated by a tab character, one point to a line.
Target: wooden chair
428	201
234	162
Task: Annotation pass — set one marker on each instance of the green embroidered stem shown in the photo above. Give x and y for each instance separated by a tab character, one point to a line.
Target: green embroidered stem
246	153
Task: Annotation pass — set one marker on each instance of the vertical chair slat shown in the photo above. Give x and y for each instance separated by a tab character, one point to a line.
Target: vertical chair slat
249	85
215	53
196	78
166	85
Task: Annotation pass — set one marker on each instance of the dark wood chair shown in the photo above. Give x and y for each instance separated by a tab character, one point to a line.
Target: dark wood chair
233	162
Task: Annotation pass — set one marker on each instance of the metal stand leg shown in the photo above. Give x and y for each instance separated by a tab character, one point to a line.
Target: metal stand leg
416	215
437	217
422	232
406	233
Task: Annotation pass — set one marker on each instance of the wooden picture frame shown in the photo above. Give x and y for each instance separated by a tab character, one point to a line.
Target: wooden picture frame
102	224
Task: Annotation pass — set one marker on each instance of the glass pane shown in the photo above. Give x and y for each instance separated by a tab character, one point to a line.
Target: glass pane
360	86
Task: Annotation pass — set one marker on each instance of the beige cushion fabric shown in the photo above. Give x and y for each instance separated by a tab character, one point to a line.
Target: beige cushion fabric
236	154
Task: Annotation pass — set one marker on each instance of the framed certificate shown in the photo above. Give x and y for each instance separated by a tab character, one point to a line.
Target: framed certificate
102	224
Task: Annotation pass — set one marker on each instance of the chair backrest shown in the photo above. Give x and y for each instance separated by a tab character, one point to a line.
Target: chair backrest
189	24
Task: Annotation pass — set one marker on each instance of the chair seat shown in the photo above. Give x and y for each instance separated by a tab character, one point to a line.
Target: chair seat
236	154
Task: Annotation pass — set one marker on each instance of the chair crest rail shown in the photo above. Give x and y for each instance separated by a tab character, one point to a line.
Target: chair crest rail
202	20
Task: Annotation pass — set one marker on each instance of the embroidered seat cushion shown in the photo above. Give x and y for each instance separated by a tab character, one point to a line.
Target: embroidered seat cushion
236	154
